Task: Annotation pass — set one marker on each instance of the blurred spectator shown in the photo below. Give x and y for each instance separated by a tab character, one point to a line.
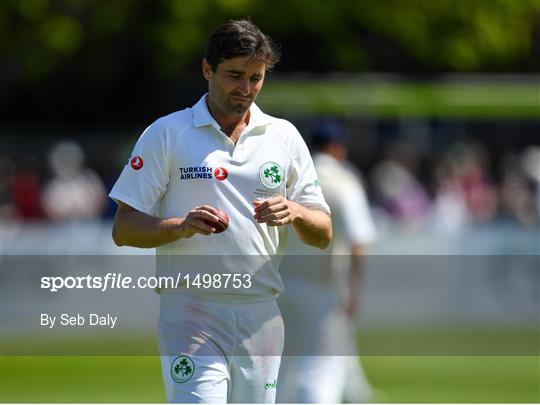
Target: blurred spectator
463	192
75	192
322	292
397	189
7	207
25	190
470	169
517	200
449	206
530	162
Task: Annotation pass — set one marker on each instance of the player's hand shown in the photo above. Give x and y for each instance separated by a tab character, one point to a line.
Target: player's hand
194	222
275	211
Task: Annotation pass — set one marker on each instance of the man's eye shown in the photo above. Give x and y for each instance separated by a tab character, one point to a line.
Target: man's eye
255	79
235	76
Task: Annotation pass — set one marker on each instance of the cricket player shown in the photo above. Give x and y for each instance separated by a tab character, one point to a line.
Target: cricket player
221	341
319	307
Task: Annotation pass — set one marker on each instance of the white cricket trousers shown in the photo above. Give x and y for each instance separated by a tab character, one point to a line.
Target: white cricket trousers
218	348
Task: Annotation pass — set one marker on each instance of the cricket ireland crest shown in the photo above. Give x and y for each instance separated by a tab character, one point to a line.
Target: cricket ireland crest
271	175
182	368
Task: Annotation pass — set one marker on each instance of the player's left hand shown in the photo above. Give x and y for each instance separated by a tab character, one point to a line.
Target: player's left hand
275	211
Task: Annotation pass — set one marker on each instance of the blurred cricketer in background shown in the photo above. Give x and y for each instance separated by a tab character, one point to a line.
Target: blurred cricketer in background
221	342
323	288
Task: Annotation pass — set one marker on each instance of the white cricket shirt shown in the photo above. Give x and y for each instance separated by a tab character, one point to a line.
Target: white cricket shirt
184	160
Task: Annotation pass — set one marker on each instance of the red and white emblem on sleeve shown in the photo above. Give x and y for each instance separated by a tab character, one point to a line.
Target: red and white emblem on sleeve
136	162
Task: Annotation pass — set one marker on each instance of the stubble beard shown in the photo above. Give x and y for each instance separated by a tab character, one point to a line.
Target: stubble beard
239	109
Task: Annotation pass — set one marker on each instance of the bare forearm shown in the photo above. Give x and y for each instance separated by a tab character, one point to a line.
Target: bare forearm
135	228
357	266
314	227
140	230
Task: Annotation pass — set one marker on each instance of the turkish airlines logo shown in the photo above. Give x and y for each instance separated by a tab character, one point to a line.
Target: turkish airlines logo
203	173
136	163
221	173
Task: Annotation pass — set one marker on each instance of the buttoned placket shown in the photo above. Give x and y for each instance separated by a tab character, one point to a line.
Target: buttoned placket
231	147
235	150
238	151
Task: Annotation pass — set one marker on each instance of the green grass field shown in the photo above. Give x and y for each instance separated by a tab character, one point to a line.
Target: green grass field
431	379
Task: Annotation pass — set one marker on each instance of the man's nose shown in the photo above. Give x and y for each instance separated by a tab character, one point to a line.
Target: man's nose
245	87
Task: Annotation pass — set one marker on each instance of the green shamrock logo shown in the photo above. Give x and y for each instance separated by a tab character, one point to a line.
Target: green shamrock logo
182	369
271	175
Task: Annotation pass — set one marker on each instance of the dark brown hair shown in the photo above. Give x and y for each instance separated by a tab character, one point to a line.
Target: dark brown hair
240	38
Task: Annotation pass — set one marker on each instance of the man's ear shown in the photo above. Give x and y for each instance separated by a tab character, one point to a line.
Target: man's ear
206	69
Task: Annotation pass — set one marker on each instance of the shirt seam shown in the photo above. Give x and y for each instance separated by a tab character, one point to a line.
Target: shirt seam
289	154
116	196
177	136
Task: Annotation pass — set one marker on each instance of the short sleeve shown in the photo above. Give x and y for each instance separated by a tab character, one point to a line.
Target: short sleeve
145	176
303	184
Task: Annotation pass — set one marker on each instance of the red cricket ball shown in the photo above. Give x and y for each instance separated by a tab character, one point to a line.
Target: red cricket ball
220	225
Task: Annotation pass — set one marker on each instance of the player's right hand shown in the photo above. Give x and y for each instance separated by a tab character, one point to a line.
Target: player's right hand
194	222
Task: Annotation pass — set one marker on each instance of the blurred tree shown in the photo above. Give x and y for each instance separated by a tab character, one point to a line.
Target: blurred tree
38	37
128	47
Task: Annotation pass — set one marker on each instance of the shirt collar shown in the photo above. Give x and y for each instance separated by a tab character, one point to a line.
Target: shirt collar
202	117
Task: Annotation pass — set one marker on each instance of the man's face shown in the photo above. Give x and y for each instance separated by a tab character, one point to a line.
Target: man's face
234	85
